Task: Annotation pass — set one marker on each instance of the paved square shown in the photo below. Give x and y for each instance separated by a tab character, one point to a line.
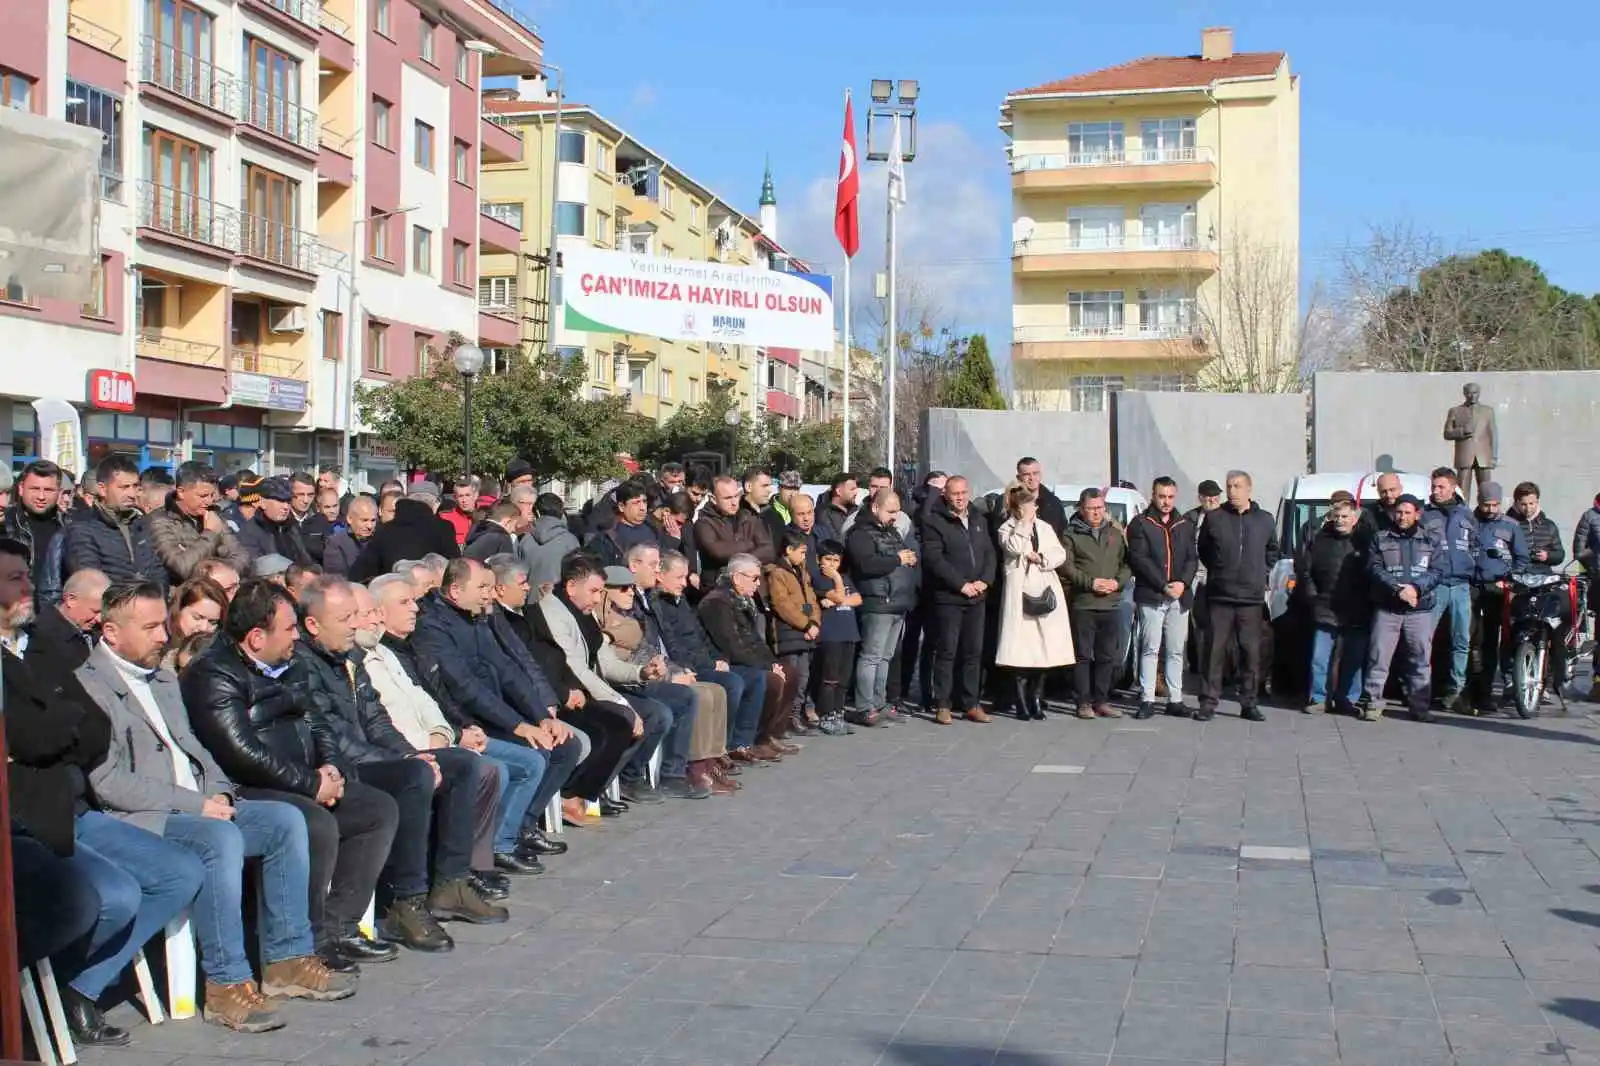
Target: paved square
1307	890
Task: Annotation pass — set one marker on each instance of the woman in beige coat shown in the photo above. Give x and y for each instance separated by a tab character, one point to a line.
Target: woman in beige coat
1031	644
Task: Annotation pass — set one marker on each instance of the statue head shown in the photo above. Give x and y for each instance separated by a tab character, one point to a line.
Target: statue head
1471	392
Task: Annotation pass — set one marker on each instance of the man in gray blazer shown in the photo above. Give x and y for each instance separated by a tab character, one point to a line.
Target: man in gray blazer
156	776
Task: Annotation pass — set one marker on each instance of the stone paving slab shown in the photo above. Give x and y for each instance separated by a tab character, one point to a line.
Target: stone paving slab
1306	890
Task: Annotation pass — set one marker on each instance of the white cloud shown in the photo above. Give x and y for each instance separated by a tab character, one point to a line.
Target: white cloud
644	96
954	230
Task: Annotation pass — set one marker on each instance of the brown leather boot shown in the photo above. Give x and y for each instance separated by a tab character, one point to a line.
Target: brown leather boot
977	714
240	1007
305	978
942	716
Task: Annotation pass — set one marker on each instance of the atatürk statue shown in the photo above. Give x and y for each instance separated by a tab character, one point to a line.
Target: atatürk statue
1471	426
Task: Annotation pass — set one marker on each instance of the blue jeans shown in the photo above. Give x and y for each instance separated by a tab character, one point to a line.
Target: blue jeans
525	768
880	638
658	722
274	832
143	881
683	703
747	693
560	762
1456	601
1352	662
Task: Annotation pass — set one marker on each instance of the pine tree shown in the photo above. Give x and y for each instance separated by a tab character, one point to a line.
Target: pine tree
974	386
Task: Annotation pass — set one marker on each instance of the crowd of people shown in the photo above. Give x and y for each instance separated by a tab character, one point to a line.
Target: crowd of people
378	696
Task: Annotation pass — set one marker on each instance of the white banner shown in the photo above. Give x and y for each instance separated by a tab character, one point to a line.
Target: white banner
60	434
677	299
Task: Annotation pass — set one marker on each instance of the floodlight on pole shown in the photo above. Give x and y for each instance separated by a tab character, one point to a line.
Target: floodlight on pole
882	88
897	148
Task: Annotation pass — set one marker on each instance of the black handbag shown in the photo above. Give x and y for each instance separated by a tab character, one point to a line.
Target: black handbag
1037	605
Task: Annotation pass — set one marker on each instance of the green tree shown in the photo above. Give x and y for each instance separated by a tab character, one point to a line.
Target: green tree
974	385
703	427
816	449
535	409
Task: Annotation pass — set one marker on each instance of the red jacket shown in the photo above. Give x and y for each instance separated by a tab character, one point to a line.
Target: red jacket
459	521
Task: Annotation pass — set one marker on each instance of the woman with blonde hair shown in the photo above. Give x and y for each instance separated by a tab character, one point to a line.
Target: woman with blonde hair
1035	633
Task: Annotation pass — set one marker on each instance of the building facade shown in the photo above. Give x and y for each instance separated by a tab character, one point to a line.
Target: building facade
288	203
612	191
1156	221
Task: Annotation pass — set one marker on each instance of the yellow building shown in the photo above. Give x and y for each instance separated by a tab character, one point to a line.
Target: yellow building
615	192
1156	221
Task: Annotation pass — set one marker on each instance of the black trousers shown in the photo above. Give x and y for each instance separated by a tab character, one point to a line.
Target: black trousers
958	654
55	908
609	727
1230	622
1097	643
830	668
410	782
350	844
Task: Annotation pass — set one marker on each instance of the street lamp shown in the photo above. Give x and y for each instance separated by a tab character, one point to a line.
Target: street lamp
469	360
733	417
351	369
896	103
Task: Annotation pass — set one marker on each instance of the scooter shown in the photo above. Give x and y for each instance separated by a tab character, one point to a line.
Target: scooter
1536	608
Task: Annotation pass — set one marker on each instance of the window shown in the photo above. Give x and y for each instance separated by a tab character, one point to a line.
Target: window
1095	314
1089	391
95	305
421	250
382	111
377	347
419	347
601	370
497	294
1168	225
1166	312
1094	227
694	214
14	292
463	67
694	390
100	110
271	223
666	198
666	384
378	236
666	251
602	227
572	145
461	162
1166	140
636	379
602	156
509	213
569	219
425	46
272	93
1163	383
380	16
459	263
180	52
1091	143
332	336
423	153
16	91
180	171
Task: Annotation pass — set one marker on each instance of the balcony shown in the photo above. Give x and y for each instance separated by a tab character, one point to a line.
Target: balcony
522	17
188	217
173	366
495	233
279	244
1145	168
304	16
334	162
164	347
1113	342
501	140
1146	253
188	77
333	23
92	33
246	360
498	328
280	117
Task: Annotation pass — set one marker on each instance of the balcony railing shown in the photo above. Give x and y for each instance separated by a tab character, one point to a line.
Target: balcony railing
510	214
306	11
187	215
522	17
90	32
154	344
188	76
1133	242
255	361
329	21
331	137
1119	331
276	242
1110	158
279	117
504	122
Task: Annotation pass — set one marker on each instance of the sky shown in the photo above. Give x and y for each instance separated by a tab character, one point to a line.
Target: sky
1461	119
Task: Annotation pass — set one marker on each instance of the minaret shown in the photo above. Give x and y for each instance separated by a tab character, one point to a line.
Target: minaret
769	205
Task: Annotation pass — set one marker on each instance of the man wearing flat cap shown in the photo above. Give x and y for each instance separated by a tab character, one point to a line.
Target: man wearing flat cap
272	529
1404	566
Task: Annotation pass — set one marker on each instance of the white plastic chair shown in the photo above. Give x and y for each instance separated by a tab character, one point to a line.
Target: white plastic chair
369	920
552	817
654	769
42	978
147	989
36	1023
183	970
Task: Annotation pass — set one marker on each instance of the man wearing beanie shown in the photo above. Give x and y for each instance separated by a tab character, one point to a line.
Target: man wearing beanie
1405	565
1503	550
518	472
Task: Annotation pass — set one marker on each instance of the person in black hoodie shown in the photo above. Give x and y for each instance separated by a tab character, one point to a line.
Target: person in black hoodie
315	529
914	656
959	560
35	520
1164	557
496	534
112	538
1054	513
416	531
1238	547
1330	584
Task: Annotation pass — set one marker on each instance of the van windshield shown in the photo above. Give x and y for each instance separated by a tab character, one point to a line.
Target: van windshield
1300	517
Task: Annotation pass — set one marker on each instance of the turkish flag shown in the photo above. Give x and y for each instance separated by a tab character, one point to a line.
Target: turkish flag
846	216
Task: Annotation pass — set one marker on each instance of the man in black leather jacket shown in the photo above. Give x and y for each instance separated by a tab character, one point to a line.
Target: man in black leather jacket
243	708
436	790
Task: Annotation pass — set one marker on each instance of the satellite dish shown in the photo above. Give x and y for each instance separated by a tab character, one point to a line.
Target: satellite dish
1021	229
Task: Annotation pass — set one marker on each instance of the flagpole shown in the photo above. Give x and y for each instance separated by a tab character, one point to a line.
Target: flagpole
846	356
894	331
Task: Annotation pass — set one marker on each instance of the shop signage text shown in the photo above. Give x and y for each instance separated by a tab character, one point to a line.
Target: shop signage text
260	390
111	390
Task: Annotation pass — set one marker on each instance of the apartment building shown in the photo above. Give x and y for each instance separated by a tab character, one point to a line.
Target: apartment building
1144	197
613	191
251	147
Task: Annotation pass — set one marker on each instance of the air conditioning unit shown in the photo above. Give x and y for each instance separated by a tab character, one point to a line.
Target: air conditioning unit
286	319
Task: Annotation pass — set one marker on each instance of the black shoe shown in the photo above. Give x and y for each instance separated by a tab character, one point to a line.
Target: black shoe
534	842
362	948
640	791
517	864
409	923
1146	710
1177	710
1252	714
1204	715
1422	714
493	891
88	1026
683	788
610	808
336	962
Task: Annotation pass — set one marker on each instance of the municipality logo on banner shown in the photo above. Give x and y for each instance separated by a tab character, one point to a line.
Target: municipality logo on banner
617	292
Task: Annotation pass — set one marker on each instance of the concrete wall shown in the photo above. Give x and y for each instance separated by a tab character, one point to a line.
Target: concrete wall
1548	423
985	445
1192	437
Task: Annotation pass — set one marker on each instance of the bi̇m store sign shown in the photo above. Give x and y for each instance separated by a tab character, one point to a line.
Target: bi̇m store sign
674	299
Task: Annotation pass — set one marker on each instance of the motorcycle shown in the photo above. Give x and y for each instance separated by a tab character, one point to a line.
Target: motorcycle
1537	606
